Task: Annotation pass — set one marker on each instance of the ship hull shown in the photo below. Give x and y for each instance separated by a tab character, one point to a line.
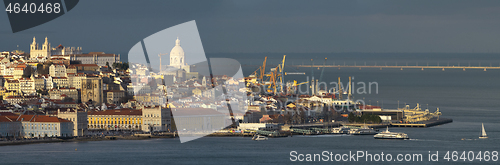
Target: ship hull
390	138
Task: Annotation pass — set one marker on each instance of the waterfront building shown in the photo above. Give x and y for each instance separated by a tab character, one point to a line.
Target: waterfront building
155	118
258	126
115	119
9	127
34	126
78	117
45	126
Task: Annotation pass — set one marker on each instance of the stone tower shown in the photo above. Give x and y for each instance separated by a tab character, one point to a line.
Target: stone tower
36	52
92	90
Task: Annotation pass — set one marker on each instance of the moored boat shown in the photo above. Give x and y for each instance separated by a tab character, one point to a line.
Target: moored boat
259	137
340	130
365	130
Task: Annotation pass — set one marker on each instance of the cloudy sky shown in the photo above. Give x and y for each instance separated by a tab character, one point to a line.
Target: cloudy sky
287	26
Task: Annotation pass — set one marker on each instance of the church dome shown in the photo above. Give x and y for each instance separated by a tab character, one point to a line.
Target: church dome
177	50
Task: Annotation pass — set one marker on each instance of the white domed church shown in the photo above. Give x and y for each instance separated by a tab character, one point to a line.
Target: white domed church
177	59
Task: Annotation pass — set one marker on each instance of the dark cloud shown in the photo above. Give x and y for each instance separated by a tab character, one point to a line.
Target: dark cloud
278	26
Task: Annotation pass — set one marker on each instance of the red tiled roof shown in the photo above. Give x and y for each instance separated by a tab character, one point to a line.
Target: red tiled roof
37	118
124	111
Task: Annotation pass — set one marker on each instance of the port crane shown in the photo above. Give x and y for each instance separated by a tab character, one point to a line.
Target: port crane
295	84
259	73
276	77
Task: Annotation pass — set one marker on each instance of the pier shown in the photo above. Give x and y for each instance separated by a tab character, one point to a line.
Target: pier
427	123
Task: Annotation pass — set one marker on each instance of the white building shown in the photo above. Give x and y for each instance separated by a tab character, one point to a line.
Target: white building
35	126
46	51
79	119
177	59
27	85
155	118
57	70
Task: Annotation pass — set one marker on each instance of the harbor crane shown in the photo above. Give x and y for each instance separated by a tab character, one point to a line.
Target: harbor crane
295	84
276	77
260	72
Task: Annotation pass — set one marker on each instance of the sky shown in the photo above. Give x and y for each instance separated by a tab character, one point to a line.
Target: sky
274	26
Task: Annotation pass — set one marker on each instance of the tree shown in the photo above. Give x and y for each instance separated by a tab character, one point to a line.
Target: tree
351	118
107	64
121	66
27	72
126	98
39	67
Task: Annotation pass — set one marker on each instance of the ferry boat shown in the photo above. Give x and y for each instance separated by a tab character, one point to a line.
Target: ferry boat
363	131
390	135
259	138
340	130
483	133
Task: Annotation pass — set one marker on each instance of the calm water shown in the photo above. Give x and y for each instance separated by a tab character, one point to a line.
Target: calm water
468	97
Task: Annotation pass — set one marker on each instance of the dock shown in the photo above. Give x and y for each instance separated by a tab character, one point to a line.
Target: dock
428	123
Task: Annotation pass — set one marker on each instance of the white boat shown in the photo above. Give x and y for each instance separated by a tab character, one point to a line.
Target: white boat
365	130
390	135
259	137
340	130
483	133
